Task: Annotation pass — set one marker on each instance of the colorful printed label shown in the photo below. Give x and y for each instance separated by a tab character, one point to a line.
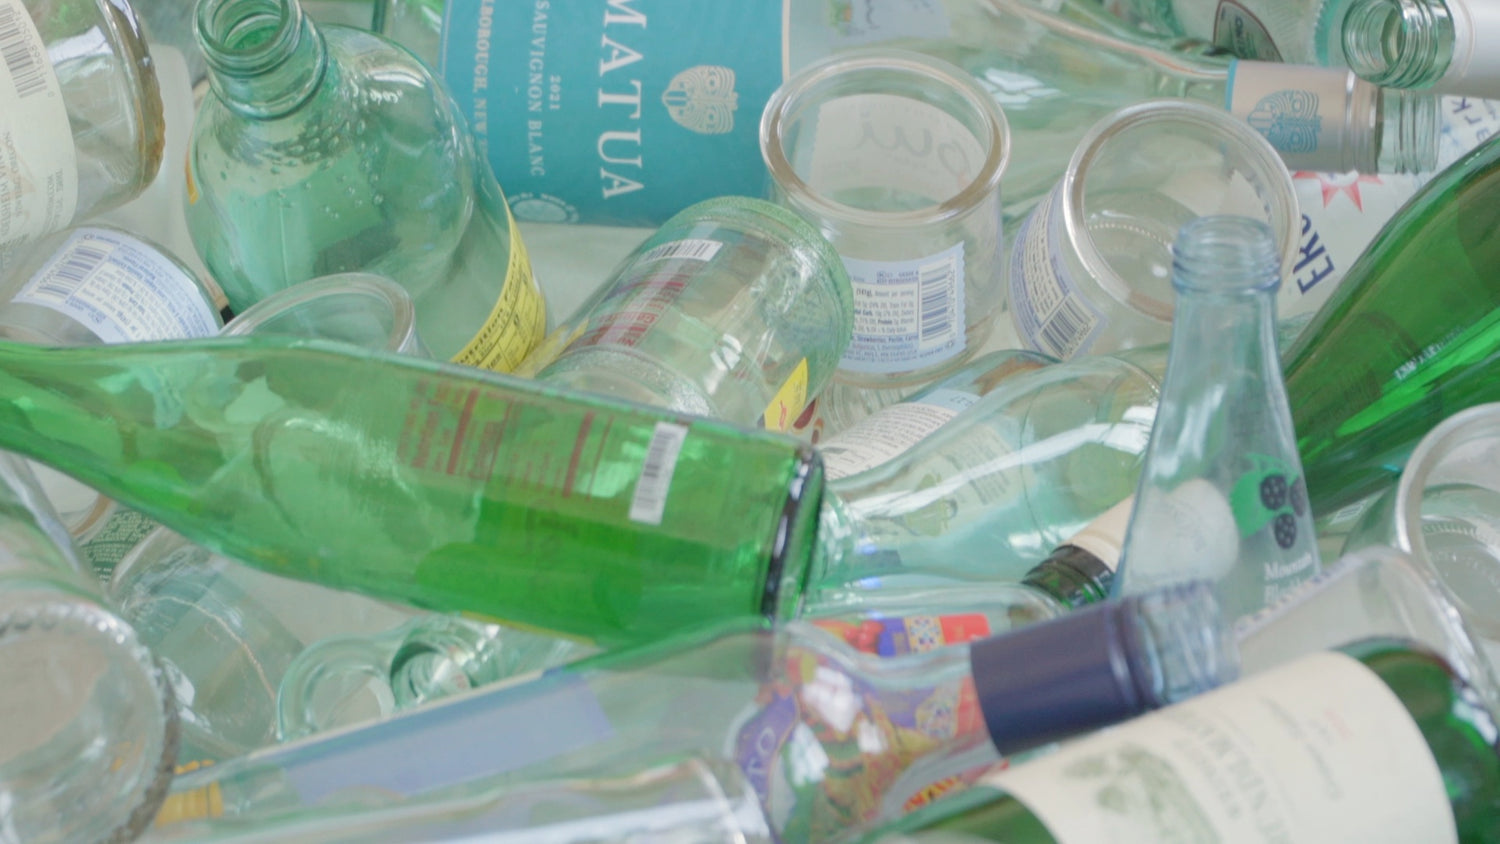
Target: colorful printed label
38	162
890	432
519	319
1317	750
617	111
121	290
1050	312
863	737
1239	31
907	314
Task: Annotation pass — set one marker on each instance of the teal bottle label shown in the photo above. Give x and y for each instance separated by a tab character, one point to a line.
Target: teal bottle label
617	111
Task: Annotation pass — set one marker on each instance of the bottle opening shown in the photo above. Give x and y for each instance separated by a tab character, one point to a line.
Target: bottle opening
247	36
1226	254
1398	43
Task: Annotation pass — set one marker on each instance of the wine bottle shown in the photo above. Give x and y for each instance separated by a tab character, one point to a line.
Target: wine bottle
831	739
1377	741
1406	339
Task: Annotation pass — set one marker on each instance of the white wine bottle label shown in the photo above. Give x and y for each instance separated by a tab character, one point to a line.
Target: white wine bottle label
38	164
1299	109
121	289
887	434
1314	751
1050	312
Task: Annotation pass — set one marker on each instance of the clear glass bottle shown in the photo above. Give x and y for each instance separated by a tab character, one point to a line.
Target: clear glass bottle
735	308
674	115
327	151
1406	752
1222	495
830	739
80	111
89	737
1437	44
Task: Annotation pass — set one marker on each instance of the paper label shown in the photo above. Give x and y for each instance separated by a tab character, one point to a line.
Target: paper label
1317	750
856	22
813	708
518	321
122	531
120	289
1048	309
890	432
38	163
649	503
1239	31
615	111
907	314
789	401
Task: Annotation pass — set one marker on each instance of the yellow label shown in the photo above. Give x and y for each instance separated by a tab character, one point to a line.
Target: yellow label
518	320
789	401
205	802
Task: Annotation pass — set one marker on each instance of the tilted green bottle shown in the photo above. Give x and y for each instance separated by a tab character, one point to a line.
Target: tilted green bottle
1378	741
1409	338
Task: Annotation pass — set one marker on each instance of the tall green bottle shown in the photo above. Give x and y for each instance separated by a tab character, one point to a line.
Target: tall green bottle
1378	741
1408	339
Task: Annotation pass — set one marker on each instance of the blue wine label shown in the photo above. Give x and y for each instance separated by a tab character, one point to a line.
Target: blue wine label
617	111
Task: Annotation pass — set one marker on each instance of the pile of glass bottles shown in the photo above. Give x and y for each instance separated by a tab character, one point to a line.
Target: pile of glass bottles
911	421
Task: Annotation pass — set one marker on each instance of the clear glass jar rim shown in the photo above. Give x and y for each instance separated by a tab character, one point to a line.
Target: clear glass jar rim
1234	132
368	286
812	81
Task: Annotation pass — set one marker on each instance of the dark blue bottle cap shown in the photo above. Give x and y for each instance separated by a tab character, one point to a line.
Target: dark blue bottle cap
1062	677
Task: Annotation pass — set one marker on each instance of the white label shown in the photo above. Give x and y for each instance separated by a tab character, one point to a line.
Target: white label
1315	751
690	249
121	289
38	165
650	500
1239	31
1300	110
885	435
907	314
1050	313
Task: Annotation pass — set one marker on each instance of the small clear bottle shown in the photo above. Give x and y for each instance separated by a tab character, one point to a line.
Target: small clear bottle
1222	493
80	111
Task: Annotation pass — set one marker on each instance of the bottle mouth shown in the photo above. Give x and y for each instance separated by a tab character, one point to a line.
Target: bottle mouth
245	36
1226	254
90	739
1398	43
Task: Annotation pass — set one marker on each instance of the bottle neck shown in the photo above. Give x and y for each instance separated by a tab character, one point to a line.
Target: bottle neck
1072	576
1398	43
265	57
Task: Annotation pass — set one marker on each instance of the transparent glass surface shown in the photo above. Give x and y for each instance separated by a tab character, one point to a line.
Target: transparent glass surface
333	151
1103	241
1222	494
897	158
364	310
735	309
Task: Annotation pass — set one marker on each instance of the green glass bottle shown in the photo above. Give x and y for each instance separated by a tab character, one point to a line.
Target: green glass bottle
328	150
1408	338
1378	741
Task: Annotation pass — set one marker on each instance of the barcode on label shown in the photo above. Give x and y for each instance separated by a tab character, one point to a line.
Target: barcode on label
15	50
650	499
69	271
938	301
1067	328
696	250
